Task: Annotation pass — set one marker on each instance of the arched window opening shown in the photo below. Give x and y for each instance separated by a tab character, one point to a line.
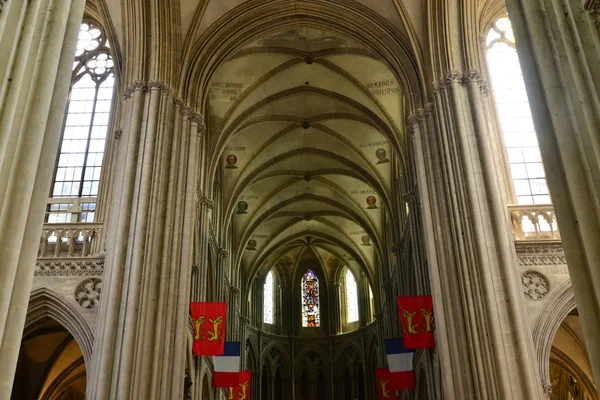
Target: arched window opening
269	300
351	297
514	113
310	300
79	163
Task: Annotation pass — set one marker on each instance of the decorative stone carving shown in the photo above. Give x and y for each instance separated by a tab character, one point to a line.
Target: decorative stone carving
2	4
484	88
70	267
472	75
532	254
118	134
154	85
547	389
88	291
536	286
453	77
136	86
593	6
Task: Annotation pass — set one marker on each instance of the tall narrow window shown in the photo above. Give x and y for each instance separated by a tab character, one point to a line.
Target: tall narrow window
310	300
77	174
268	299
514	113
351	297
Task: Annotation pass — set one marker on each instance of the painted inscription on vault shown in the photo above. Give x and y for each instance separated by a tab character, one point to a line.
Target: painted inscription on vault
380	88
226	91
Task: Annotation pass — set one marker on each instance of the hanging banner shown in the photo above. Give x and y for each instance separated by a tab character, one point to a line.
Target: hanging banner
227	366
384	381
416	319
400	363
242	390
209	328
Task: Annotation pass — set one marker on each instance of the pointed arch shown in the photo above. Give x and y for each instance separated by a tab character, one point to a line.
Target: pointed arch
560	304
45	303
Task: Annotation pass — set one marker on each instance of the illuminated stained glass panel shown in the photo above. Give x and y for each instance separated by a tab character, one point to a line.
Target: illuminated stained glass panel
514	113
310	300
351	297
268	300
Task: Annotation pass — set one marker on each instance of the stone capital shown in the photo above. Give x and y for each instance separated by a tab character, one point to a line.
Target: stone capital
155	85
453	77
471	75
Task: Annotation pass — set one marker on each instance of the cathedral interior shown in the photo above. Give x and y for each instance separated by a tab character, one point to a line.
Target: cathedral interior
305	162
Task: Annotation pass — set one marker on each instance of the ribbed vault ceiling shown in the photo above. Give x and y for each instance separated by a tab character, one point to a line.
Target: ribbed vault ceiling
306	125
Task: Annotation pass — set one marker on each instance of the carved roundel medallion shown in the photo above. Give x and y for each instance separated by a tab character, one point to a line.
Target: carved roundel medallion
88	291
535	285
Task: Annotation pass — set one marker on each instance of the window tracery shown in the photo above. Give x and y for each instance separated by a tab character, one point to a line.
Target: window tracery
78	169
351	297
268	299
310	300
514	114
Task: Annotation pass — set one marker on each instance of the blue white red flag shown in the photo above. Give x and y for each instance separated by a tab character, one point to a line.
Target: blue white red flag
400	363
227	366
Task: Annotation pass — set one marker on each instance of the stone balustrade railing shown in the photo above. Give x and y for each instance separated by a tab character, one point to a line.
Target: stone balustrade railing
534	222
69	240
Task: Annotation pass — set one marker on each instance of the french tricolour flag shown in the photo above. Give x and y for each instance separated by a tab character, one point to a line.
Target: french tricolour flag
400	363
227	366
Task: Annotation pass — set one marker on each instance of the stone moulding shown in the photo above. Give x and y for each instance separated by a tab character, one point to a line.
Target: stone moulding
69	267
532	254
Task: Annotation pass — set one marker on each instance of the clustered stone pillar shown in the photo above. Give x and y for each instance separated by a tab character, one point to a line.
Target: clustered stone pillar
366	313
141	341
559	49
482	334
204	210
37	43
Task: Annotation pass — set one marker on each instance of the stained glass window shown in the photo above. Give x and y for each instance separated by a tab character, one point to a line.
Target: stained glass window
310	300
514	113
77	173
268	299
351	297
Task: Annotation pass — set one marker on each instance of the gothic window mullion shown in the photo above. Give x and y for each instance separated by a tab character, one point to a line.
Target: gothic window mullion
89	139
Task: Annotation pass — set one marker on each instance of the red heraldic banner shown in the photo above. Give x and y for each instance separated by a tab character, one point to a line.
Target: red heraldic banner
242	390
416	319
209	328
384	381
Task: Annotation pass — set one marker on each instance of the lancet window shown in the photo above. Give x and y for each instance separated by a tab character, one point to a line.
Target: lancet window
514	113
79	164
269	299
351	297
310	300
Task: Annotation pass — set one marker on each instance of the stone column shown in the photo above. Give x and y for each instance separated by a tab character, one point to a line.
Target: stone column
233	315
221	266
204	208
366	314
40	36
481	329
143	321
559	50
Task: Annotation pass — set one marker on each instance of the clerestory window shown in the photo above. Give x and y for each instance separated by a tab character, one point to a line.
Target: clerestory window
514	113
79	164
351	297
310	300
269	300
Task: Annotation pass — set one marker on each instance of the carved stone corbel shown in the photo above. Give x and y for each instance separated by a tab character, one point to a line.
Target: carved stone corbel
593	6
